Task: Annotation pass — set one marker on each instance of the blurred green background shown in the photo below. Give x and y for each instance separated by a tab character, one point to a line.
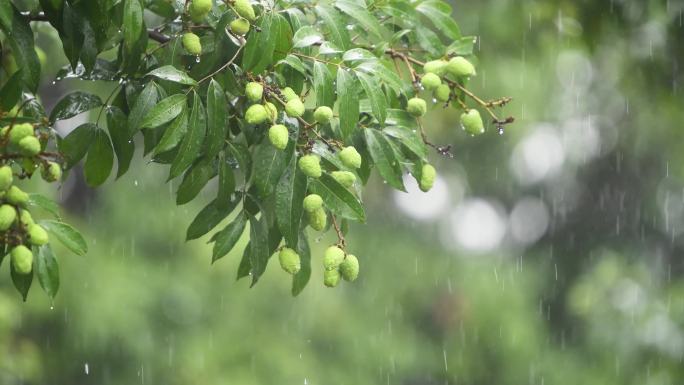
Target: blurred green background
549	255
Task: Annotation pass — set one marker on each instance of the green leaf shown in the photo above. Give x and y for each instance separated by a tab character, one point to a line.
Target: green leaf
384	158
361	15
300	279
47	270
11	91
338	198
242	156
227	238
98	164
20	36
336	26
463	46
164	111
306	36
147	99
134	34
173	133
347	96
75	145
117	125
194	181
261	42
67	235
269	164
22	282
283	35
6	14
289	196
259	253
226	183
409	138
172	74
375	95
192	143
217	113
210	216
74	104
439	13
323	85
45	203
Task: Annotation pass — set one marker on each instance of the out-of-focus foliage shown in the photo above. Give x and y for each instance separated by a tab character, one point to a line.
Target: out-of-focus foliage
596	299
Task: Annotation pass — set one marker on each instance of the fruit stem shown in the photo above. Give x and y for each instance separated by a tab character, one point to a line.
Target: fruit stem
341	242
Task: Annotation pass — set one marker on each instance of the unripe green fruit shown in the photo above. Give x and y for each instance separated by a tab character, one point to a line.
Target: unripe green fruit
289	260
51	171
254	91
256	114
436	67
416	107
272	111
350	157
345	178
199	9
430	81
239	26
310	165
244	9
472	122
312	202
37	235
459	66
317	219
192	44
22	259
16	197
331	278
29	146
427	177
289	94
294	108
323	114
278	136
6	177
332	258
349	268
442	93
8	214
26	218
19	132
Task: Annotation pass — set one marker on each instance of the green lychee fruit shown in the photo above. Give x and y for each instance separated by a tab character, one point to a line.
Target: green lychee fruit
272	111
16	196
332	258
19	132
459	66
6	177
8	214
350	157
323	114
256	114
289	94
244	9
26	218
22	259
416	107
318	219
331	278
312	202
254	91
436	67
278	136
29	146
294	108
199	9
345	178
430	81
192	44
442	93
310	165
427	177
289	260
239	26
37	235
51	171
472	122
349	268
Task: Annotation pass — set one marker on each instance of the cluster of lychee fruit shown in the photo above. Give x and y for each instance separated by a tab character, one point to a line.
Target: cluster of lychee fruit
434	72
336	264
20	142
198	11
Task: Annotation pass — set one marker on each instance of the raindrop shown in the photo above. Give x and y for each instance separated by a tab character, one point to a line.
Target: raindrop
86	368
197	59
